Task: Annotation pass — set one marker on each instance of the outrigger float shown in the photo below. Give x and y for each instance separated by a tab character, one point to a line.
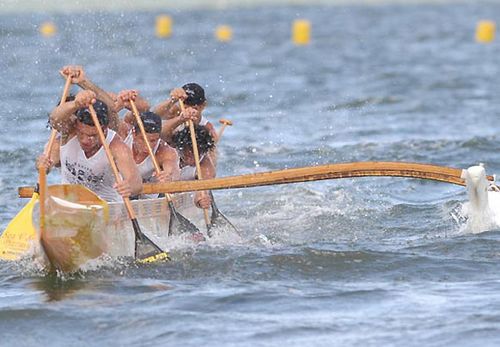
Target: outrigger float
79	226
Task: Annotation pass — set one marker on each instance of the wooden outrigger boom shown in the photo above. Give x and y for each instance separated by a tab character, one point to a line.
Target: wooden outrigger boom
307	174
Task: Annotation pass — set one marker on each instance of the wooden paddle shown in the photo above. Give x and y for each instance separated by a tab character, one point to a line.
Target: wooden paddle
218	219
16	240
225	123
178	224
42	174
145	250
196	159
307	174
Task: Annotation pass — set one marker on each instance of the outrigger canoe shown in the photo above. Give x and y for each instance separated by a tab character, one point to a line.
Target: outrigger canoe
81	227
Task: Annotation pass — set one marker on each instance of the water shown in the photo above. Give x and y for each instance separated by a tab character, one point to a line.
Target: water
368	261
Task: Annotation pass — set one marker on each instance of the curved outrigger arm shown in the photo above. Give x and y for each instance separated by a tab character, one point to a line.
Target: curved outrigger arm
307	174
317	173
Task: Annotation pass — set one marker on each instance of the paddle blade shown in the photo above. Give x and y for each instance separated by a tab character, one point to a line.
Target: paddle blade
146	251
219	221
179	224
17	239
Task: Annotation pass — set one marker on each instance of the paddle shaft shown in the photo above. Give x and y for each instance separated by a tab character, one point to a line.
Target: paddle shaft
224	123
118	178
217	215
42	173
221	131
196	157
145	137
53	132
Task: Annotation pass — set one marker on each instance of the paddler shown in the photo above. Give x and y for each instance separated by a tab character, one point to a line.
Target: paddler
193	96
166	156
184	146
79	78
82	158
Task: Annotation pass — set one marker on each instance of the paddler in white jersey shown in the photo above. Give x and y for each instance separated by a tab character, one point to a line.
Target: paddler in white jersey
82	157
166	156
184	146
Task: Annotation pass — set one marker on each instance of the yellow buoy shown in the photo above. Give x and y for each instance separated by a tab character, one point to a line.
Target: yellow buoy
163	26
301	32
485	31
48	29
224	33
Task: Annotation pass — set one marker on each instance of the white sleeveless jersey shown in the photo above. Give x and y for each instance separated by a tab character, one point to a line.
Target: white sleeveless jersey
94	173
146	167
188	173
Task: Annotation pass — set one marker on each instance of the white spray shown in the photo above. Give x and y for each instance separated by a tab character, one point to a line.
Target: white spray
483	208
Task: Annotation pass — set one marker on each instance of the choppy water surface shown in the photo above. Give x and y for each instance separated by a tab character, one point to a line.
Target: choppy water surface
373	261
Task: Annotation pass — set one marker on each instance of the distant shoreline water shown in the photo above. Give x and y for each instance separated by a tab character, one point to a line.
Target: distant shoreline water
19	6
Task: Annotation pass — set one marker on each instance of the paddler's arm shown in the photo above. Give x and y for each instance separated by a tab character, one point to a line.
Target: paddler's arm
132	181
213	152
207	167
55	152
169	108
211	129
114	118
168	160
123	101
52	160
62	117
168	126
79	77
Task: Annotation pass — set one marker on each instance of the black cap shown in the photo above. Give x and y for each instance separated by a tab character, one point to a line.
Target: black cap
195	94
101	110
151	122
